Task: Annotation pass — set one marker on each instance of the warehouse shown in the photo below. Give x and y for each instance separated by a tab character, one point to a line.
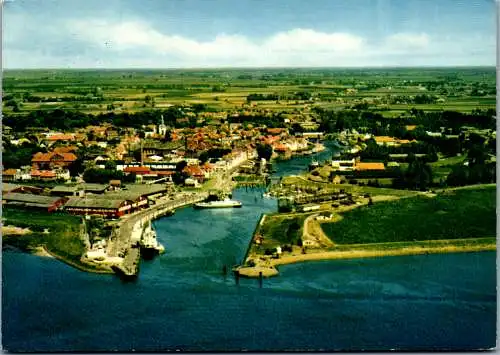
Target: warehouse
108	207
47	203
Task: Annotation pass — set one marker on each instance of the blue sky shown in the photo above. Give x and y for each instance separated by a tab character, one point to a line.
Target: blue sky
247	33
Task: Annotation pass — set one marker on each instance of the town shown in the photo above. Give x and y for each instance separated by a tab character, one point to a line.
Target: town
109	165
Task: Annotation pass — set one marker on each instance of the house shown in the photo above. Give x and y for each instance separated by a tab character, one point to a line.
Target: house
52	160
98	206
195	172
47	203
9	175
58	137
43	175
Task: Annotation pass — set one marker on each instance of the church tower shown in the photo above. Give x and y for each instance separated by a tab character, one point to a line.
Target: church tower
162	128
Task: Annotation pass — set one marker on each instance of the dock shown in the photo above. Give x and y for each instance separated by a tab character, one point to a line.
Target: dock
129	268
124	240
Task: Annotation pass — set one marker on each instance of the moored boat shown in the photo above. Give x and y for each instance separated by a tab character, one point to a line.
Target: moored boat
226	203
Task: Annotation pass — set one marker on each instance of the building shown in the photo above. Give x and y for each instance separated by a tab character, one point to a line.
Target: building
107	207
95	188
369	166
47	161
344	165
9	175
151	191
7	188
391	141
27	200
162	128
67	191
46	175
195	172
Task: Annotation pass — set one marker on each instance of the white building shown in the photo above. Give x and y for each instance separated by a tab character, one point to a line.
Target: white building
344	165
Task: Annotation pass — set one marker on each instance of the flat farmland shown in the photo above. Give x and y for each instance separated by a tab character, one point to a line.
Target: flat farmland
97	91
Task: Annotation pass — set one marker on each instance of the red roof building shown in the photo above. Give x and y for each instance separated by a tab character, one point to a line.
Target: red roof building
52	160
195	172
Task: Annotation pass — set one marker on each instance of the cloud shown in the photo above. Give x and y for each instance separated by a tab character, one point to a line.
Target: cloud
134	43
408	40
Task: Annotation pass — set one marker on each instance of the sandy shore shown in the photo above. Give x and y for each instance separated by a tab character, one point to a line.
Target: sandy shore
268	266
41	251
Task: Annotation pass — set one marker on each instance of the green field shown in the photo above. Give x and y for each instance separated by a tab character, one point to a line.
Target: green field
279	230
457	214
92	91
62	238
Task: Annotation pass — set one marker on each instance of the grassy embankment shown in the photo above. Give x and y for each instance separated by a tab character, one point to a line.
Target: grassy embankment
453	221
62	240
459	214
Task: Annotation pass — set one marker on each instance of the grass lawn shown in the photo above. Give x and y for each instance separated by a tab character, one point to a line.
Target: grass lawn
63	237
468	213
279	230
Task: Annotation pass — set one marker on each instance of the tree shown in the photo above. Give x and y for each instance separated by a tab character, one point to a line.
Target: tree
110	165
264	151
418	175
180	166
477	155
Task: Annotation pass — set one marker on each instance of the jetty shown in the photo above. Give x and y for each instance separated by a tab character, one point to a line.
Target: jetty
123	246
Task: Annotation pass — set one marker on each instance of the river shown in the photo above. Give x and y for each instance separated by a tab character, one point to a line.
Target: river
182	300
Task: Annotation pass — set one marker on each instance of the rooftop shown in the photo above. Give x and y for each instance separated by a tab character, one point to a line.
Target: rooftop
30	198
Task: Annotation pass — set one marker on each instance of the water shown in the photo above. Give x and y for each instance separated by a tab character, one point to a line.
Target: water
182	300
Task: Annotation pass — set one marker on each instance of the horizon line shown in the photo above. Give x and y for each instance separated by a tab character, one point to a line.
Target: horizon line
266	67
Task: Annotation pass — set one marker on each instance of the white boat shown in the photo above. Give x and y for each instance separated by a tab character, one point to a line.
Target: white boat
149	244
226	203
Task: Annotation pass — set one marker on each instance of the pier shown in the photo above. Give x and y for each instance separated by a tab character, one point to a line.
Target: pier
123	243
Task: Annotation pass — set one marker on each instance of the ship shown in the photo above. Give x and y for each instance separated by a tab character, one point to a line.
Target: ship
226	203
149	244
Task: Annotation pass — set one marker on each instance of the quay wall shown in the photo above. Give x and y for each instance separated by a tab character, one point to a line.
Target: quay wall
125	238
256	230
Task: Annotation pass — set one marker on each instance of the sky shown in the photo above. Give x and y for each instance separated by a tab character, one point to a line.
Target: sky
247	33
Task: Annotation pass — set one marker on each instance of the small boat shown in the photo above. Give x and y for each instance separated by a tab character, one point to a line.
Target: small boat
226	203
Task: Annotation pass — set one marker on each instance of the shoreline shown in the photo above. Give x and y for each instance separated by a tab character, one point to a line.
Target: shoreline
80	266
268	267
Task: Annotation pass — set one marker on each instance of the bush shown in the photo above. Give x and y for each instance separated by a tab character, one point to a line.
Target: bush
251	263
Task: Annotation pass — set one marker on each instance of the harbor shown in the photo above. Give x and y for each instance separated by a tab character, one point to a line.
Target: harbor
123	253
186	282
